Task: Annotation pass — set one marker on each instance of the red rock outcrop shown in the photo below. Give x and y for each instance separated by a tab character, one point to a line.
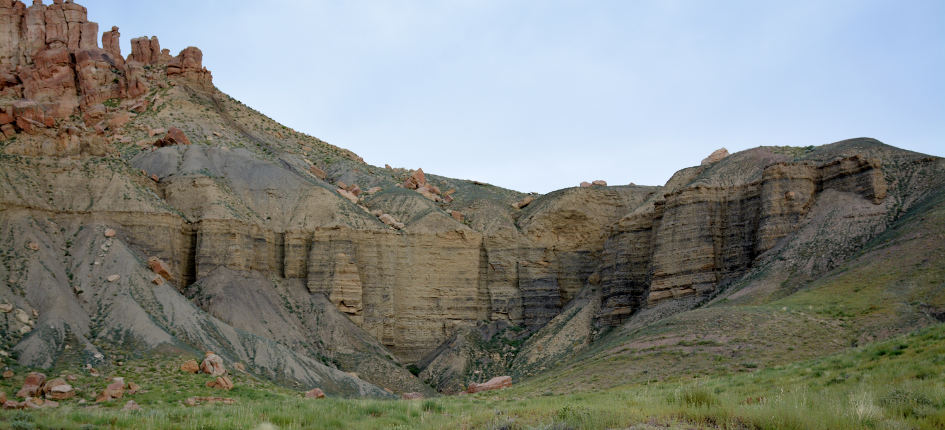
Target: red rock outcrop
496	383
221	382
416	180
110	42
160	267
58	389
145	50
315	393
32	385
212	365
50	60
114	390
715	156
174	136
189	64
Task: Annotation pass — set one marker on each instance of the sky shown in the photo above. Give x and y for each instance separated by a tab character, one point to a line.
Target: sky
541	95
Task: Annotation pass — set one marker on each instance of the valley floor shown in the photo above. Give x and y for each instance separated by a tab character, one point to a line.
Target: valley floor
895	384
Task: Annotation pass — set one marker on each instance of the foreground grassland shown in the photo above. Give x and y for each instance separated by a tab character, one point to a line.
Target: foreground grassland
896	384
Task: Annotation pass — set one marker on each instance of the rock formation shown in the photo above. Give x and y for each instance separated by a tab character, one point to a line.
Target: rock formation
52	68
226	231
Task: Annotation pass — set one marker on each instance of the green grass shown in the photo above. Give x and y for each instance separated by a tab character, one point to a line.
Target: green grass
889	385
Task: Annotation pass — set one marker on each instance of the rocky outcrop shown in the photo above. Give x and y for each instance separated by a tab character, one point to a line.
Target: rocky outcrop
212	365
32	385
315	393
696	238
50	60
715	156
58	389
189	64
497	383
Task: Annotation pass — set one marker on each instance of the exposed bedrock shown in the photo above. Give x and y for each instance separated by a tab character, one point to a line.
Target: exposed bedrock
696	238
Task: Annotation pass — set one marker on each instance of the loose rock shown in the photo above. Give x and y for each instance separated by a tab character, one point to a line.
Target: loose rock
32	385
221	382
58	389
212	365
160	267
190	366
315	393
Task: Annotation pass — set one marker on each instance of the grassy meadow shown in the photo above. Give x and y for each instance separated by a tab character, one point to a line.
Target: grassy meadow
896	384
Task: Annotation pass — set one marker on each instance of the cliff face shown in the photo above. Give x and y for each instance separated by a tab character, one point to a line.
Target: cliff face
698	237
297	258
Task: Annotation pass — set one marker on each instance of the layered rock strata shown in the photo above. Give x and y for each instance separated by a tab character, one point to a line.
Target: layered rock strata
696	238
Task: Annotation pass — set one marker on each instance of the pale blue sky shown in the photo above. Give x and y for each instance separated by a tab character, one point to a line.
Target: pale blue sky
540	95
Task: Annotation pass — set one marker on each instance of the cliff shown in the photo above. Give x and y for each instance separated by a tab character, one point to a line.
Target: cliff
314	268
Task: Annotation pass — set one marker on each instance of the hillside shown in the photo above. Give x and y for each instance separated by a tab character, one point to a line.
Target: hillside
146	215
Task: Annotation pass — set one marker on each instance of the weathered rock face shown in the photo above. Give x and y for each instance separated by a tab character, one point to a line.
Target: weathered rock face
697	237
49	56
189	64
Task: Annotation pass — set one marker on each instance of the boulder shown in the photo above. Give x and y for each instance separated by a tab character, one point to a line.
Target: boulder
416	180
131	406
21	316
190	366
113	278
174	136
32	385
221	382
585	184
160	267
33	246
599	183
319	173
212	365
524	202
114	390
348	195
58	389
132	388
427	192
496	383
315	393
7	374
715	156
411	396
110	233
391	221
353	189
